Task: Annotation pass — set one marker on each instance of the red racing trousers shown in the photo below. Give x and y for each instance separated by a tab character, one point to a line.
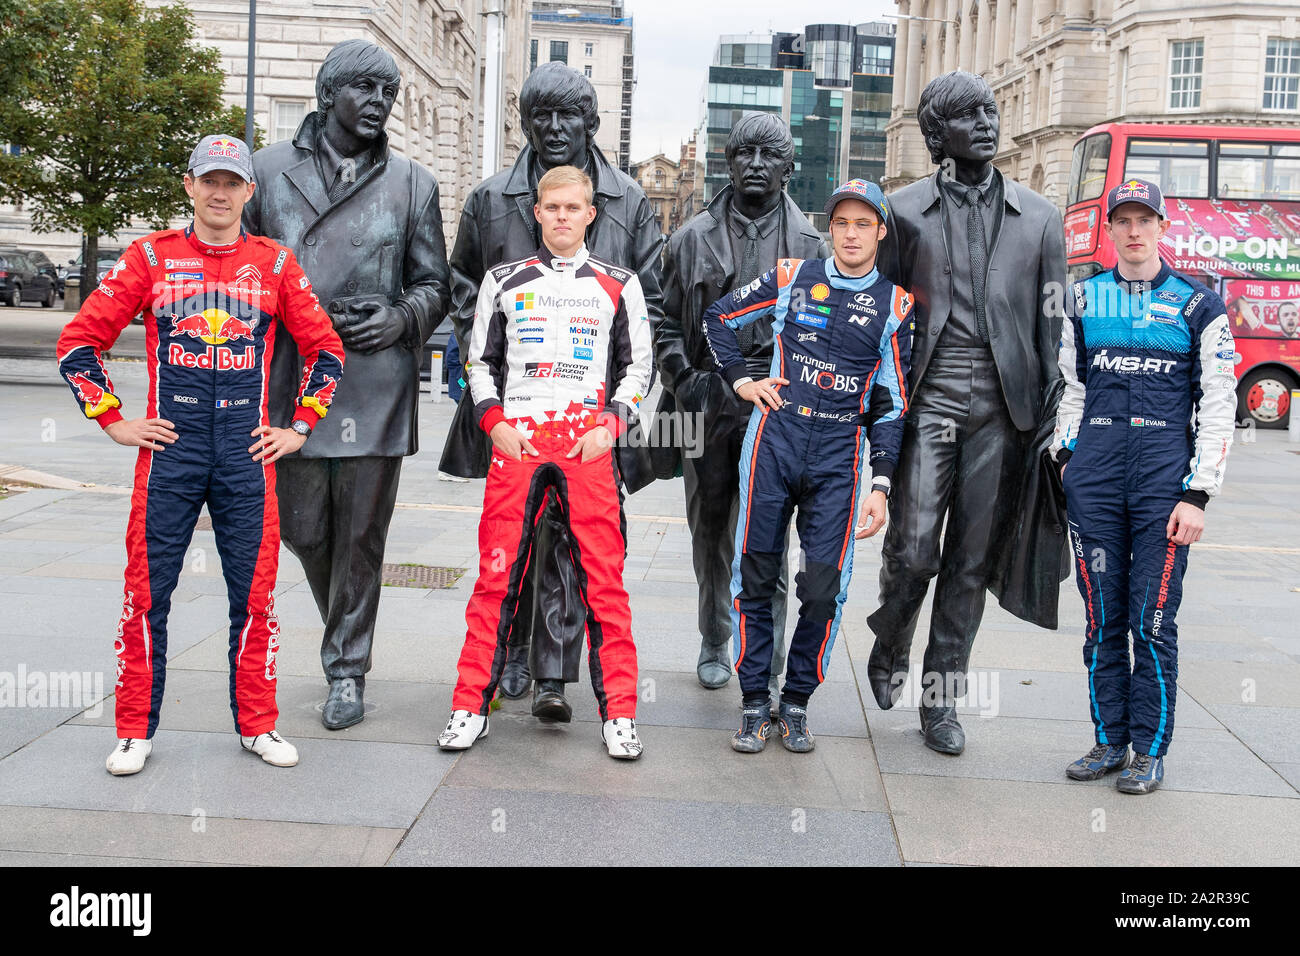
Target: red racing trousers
513	501
171	487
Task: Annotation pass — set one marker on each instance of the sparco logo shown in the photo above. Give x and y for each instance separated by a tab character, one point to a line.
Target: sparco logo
1100	421
1131	363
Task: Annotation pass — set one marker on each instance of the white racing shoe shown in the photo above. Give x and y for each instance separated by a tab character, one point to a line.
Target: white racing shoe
128	756
620	738
462	730
272	748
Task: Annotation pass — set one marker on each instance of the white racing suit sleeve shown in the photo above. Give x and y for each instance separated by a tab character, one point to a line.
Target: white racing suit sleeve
1072	359
1214	395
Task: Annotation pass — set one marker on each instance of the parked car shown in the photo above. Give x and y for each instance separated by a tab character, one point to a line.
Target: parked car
27	276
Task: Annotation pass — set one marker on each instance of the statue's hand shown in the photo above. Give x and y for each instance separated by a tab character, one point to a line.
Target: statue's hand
382	328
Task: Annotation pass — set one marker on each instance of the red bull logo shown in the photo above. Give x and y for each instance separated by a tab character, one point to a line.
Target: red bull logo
212	326
87	390
224	147
214	357
325	394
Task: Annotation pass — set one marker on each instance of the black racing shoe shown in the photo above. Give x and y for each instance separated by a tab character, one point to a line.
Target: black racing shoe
1099	761
1143	775
755	728
795	735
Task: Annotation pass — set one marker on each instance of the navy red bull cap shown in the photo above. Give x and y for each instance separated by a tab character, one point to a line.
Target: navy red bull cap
222	152
1139	191
861	189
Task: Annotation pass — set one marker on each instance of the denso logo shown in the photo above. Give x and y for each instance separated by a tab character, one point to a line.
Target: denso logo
1131	363
829	381
215	357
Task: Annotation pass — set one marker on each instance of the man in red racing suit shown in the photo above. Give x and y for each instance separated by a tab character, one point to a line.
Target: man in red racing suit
211	309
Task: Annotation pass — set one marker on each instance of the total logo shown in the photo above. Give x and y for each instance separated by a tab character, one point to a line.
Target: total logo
1131	363
829	381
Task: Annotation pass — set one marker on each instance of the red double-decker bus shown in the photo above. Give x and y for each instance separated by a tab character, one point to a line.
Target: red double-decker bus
1232	194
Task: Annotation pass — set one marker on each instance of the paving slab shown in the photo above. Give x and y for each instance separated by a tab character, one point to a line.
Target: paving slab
1222	682
524	753
99	836
1271	732
1011	823
1021	693
476	828
353	783
1009	748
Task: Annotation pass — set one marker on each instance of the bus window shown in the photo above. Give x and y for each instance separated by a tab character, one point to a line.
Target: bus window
1259	171
1082	270
1088	168
1179	167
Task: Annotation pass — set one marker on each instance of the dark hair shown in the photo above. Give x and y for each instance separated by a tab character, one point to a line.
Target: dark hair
557	86
349	61
761	129
943	98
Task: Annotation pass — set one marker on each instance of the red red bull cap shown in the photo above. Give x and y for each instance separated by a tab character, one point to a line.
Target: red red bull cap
222	152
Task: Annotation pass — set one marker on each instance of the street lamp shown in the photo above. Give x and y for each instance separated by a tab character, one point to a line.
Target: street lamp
252	49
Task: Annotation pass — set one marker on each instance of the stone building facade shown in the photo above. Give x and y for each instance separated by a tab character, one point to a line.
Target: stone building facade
437	120
595	38
1058	67
658	176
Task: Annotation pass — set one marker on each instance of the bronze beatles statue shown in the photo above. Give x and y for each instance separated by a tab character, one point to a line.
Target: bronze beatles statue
747	227
366	228
560	118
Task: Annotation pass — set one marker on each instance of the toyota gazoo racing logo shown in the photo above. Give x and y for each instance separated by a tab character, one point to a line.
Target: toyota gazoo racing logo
538	369
1131	363
214	327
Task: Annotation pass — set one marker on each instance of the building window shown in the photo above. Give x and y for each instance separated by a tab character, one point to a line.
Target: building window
286	117
532	56
588	49
1282	74
560	51
1185	60
586	71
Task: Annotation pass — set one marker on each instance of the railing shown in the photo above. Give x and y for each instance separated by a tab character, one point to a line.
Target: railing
582	18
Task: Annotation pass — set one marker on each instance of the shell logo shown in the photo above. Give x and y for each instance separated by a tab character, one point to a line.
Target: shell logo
819	291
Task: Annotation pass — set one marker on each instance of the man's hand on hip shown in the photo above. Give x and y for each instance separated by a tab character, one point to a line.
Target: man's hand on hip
1185	524
145	432
593	444
274	443
508	440
763	392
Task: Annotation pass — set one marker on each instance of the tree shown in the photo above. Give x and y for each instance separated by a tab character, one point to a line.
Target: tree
105	100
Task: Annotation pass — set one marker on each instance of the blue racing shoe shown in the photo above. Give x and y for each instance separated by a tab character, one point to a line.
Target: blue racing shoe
1098	762
795	735
1143	776
755	728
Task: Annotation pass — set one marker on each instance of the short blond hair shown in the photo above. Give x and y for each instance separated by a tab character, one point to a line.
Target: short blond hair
565	176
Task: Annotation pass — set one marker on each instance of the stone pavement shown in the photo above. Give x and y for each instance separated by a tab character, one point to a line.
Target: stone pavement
381	792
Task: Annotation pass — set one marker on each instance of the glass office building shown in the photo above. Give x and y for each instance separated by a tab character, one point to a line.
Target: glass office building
832	84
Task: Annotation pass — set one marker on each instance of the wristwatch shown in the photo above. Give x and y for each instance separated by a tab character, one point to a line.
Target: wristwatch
301	427
881	484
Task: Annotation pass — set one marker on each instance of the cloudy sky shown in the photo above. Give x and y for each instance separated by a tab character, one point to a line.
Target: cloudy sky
675	40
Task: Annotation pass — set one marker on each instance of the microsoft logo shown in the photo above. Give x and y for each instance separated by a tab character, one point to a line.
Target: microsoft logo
523	300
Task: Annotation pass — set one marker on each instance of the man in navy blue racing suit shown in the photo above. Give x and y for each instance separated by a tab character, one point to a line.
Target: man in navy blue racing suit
1145	424
842	342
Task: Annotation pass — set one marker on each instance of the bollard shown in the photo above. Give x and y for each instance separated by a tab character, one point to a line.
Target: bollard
1293	425
435	375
